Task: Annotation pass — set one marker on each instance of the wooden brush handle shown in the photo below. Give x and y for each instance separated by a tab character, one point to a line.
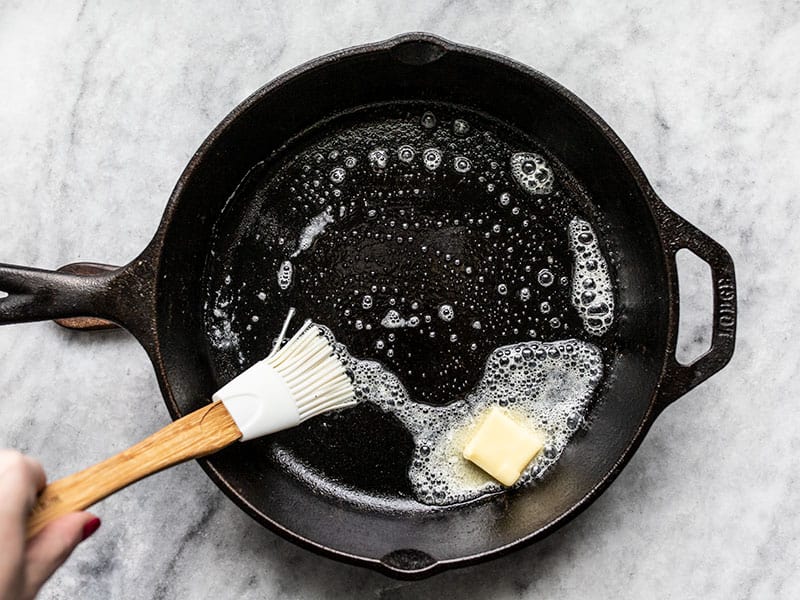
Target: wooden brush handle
202	432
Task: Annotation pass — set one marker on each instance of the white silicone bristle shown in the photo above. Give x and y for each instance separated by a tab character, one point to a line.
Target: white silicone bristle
315	377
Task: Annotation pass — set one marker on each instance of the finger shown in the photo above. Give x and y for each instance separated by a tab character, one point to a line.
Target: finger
11	460
36	471
49	548
21	477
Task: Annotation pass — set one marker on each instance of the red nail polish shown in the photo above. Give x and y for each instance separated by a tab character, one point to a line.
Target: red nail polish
90	527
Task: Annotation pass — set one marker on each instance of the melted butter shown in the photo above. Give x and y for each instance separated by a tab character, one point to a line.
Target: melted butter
543	385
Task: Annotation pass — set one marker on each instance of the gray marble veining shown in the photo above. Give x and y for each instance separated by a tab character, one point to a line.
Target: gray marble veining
102	106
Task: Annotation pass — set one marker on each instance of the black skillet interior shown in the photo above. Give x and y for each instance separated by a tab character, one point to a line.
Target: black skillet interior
354	500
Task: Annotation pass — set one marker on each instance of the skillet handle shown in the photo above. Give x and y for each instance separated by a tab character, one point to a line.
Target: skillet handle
83	296
37	294
677	234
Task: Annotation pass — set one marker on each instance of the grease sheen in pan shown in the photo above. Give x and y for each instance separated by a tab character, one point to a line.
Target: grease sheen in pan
457	263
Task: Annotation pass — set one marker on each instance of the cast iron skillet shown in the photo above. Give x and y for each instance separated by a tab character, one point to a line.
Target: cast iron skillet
159	298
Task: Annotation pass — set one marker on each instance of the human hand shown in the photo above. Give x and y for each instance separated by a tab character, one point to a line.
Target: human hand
26	565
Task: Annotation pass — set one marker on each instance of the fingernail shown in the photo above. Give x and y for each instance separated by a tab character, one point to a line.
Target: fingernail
90	527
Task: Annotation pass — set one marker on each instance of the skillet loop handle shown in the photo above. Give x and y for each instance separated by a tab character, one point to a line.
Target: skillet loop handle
678	234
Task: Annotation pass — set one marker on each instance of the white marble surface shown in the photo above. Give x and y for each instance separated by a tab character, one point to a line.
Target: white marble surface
102	106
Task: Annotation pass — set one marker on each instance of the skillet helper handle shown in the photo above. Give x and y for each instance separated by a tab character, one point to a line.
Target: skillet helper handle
198	434
680	234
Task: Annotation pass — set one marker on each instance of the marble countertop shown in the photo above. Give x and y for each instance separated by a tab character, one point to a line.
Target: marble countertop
101	108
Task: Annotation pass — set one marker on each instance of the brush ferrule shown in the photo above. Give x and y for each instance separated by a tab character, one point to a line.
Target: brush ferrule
299	381
259	401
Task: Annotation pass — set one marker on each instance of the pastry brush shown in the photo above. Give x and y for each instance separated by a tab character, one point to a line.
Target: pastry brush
296	382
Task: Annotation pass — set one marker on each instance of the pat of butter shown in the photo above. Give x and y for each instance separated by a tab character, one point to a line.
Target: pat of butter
502	447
